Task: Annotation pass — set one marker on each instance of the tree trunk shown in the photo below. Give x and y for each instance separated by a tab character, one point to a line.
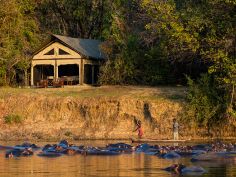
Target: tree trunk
232	96
26	83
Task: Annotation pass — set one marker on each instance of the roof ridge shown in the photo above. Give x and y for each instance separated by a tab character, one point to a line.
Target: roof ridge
55	35
87	47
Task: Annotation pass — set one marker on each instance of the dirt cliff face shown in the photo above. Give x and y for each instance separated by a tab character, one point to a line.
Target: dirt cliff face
97	113
45	117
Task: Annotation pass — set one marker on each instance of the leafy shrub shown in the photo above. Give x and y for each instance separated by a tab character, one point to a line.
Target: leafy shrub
206	102
68	133
2	75
13	118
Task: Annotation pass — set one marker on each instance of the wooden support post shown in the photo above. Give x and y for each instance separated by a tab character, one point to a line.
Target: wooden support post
32	75
81	72
55	71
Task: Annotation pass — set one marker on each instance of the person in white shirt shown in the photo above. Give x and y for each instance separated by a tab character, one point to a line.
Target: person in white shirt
175	129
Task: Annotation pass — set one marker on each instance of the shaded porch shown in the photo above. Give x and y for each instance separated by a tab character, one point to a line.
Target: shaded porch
50	75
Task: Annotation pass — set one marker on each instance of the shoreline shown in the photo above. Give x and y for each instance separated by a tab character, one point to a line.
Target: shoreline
124	139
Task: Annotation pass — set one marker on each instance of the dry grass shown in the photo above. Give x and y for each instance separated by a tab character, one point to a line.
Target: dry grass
140	92
86	112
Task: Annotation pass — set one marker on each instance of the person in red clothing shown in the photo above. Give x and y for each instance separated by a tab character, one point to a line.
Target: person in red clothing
139	129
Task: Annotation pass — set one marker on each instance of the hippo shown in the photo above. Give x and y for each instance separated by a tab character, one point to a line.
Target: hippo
204	147
28	145
184	153
169	155
120	147
152	151
64	144
19	152
190	153
214	156
63	147
142	148
70	151
97	151
49	154
182	169
47	146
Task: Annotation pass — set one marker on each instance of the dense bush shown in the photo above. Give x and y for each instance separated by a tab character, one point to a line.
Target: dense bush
206	103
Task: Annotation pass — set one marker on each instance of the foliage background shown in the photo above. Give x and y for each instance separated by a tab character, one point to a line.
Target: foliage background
146	42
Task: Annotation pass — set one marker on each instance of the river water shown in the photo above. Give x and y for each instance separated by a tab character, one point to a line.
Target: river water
125	165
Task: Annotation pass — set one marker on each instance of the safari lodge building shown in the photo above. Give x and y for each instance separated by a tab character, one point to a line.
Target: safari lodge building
71	60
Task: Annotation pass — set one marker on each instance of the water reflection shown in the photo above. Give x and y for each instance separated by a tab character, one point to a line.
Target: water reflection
126	165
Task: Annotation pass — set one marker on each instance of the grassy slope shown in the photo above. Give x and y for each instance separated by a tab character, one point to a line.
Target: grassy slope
89	112
94	112
144	93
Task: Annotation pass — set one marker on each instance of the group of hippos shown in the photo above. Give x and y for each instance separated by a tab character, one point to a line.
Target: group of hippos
197	153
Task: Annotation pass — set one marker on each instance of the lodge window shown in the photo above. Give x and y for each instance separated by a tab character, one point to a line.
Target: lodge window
51	52
62	52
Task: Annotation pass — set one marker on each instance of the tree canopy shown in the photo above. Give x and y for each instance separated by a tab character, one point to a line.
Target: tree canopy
145	41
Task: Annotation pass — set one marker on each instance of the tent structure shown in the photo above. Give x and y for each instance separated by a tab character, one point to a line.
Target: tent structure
73	60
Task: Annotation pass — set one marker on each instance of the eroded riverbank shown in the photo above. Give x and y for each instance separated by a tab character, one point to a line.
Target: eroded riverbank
93	113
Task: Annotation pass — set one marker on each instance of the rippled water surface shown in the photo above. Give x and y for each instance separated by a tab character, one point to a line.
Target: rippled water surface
125	165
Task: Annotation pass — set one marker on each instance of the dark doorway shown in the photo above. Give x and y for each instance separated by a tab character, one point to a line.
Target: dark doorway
68	70
19	77
87	74
69	73
96	74
41	72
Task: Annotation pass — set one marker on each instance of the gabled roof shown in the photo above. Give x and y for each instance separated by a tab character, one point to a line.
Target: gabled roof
86	47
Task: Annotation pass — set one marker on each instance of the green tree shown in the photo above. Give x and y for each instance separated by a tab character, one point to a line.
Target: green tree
18	37
75	18
122	46
200	34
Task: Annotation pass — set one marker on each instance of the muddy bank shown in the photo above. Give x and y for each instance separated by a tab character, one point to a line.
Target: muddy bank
43	117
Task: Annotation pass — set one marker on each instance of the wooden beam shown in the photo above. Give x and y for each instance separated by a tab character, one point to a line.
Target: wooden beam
81	72
32	75
55	71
